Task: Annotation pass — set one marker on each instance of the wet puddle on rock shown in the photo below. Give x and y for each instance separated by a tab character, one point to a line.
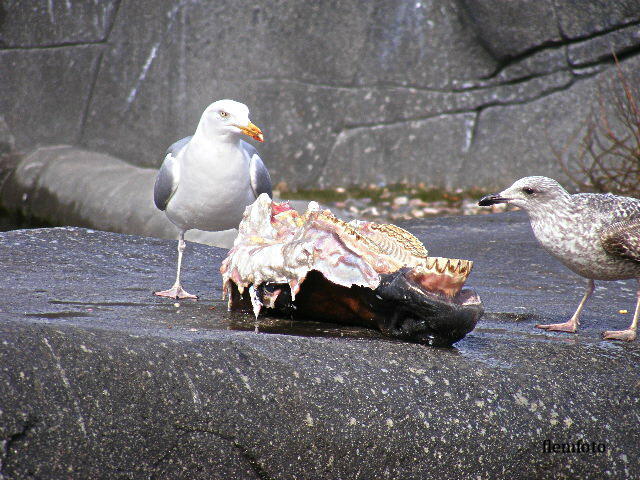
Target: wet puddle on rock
55	315
210	315
203	315
191	315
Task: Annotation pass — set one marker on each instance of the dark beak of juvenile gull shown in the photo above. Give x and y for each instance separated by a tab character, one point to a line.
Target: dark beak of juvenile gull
253	131
492	200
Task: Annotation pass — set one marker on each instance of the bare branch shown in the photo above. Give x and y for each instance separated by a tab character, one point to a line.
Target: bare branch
608	154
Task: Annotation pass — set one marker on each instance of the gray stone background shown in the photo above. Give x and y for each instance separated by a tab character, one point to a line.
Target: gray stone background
454	94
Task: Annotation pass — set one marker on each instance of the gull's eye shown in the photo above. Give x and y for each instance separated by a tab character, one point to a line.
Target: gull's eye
223	114
528	190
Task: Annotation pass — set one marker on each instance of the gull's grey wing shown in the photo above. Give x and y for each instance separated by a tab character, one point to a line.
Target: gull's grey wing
260	178
168	175
623	239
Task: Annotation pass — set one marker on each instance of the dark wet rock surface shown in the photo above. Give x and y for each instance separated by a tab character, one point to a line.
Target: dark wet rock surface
99	378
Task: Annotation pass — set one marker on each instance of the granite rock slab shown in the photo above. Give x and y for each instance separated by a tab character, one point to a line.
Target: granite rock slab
99	378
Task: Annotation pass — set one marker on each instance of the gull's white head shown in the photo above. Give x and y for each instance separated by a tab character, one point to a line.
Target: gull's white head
530	193
228	118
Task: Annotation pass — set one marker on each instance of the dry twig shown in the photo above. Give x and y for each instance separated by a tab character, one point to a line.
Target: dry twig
608	155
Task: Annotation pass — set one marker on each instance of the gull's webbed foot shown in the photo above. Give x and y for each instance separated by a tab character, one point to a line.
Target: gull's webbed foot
627	335
176	292
568	327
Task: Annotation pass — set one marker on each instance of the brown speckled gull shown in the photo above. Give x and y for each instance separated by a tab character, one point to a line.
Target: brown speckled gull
595	235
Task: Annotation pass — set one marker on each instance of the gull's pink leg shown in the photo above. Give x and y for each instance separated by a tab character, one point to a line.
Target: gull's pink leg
571	326
629	334
177	291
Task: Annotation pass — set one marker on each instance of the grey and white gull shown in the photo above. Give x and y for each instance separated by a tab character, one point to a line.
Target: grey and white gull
207	180
597	236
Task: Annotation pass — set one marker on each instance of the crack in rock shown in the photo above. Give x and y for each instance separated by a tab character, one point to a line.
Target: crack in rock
94	81
67	385
244	451
53	47
481	106
114	17
8	443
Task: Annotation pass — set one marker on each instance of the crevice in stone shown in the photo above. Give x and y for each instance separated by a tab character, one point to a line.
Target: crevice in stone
110	27
513	81
601	33
156	463
392	123
477	109
453	92
373	86
623	54
474	110
546	93
52	47
251	459
14	438
89	100
554	44
474	87
554	7
607	59
515	59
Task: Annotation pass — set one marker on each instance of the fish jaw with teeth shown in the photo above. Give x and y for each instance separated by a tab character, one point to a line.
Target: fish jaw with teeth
315	266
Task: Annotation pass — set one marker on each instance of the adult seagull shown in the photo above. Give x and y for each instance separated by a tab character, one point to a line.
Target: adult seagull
208	179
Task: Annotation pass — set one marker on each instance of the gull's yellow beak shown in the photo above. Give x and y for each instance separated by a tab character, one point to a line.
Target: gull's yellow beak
253	131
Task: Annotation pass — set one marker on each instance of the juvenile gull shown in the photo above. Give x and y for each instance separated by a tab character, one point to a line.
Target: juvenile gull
208	179
595	235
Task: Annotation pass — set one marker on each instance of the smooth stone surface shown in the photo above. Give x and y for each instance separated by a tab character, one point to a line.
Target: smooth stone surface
508	28
7	140
44	93
320	79
46	22
102	379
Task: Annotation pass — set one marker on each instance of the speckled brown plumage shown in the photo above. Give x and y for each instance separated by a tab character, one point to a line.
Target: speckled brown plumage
595	235
623	239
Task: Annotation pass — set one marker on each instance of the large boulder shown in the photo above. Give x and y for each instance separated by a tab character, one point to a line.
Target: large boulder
64	185
100	379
